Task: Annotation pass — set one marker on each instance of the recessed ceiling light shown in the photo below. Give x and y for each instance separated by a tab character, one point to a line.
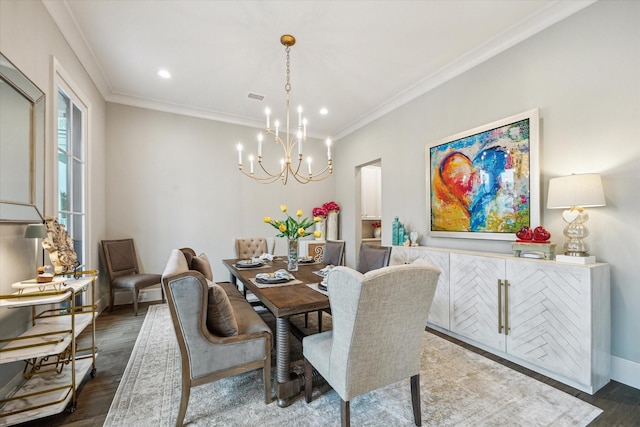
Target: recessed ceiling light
324	111
164	74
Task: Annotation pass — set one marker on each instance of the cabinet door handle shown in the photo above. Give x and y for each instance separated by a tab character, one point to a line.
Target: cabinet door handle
506	307
499	306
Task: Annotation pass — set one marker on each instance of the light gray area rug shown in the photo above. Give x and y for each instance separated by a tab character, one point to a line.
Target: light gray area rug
458	388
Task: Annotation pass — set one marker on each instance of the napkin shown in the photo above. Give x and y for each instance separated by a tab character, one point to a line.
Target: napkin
266	257
280	274
324	271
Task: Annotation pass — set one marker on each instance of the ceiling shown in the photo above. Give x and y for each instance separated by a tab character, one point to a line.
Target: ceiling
358	59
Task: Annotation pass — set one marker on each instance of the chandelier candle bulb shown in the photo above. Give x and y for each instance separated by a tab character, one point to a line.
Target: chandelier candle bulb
304	128
277	126
309	163
328	149
240	154
251	161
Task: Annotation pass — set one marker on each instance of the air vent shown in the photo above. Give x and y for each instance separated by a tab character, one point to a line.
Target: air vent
255	96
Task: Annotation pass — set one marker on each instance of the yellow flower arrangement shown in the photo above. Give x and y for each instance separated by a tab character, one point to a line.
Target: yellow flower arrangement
293	228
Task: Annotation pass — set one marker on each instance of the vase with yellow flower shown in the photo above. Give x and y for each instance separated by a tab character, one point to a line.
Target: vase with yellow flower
293	229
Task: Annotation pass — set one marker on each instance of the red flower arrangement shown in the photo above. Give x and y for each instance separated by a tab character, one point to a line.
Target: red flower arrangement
323	210
320	211
376	224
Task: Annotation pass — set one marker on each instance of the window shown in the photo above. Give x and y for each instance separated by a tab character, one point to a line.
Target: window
71	169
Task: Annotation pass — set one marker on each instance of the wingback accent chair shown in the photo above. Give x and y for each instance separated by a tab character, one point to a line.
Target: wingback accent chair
379	320
207	356
371	257
122	267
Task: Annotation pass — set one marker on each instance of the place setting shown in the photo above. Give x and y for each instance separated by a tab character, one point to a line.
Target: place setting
278	278
262	261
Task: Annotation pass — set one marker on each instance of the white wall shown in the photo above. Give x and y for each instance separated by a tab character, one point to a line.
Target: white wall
173	181
583	75
29	38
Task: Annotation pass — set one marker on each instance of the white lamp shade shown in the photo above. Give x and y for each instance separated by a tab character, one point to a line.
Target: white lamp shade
583	190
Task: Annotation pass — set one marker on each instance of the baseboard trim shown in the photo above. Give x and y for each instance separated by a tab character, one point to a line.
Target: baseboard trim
625	371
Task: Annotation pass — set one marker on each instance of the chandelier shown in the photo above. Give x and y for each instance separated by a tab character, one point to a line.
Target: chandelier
288	165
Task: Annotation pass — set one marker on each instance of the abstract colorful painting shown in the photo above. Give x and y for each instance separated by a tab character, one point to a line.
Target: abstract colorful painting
484	182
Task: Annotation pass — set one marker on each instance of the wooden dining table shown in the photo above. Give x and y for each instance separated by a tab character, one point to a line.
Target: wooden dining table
283	301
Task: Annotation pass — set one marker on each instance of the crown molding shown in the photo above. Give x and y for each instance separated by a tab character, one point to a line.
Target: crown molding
513	35
67	25
553	13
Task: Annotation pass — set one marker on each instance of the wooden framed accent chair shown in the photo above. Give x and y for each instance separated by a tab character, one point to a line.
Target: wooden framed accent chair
218	331
373	344
122	267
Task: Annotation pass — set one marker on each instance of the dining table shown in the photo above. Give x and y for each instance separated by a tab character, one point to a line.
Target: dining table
283	300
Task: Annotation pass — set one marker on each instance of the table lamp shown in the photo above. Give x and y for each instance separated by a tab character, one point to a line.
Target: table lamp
36	231
575	192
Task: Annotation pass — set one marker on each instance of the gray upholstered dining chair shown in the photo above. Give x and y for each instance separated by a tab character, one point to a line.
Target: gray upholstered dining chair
218	332
122	267
379	321
373	257
333	253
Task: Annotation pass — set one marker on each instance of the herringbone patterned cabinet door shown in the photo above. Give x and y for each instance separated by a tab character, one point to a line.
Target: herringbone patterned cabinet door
474	298
439	313
549	308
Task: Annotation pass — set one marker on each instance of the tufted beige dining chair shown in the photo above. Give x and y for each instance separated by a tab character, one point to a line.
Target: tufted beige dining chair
249	247
379	321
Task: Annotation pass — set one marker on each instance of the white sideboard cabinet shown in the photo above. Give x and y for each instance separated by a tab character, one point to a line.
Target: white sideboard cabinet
550	317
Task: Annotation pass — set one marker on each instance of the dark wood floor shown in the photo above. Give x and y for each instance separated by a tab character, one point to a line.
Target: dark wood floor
116	334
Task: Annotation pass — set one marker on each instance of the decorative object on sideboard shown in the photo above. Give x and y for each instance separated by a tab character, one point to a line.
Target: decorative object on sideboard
399	233
293	138
534	244
292	229
414	238
36	231
576	192
60	247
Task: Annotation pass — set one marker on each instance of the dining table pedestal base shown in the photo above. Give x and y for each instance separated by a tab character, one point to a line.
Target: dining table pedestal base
288	384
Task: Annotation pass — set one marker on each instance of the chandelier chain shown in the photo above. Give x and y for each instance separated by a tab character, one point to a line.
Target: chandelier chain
287	85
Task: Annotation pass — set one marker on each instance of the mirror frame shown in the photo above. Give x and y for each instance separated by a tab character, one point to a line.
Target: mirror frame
18	210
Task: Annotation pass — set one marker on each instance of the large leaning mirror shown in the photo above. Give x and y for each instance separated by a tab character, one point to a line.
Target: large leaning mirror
22	109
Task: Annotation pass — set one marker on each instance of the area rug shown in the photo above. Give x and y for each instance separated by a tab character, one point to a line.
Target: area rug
458	388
